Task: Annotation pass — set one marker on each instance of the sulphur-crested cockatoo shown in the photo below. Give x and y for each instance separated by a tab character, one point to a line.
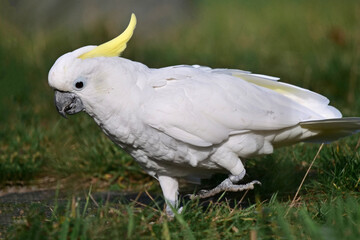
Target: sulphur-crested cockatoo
190	121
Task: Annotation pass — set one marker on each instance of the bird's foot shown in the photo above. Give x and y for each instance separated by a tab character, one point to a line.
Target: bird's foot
170	211
226	185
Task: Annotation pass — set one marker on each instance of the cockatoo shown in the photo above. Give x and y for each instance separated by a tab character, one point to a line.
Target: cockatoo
190	121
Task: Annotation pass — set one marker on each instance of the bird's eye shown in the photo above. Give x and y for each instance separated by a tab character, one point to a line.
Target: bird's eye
79	83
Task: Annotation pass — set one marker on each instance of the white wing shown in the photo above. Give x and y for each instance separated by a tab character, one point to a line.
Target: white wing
203	106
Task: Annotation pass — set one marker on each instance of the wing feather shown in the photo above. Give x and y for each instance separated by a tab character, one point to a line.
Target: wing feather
203	106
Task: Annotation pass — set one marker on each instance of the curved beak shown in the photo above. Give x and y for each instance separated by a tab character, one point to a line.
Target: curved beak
68	103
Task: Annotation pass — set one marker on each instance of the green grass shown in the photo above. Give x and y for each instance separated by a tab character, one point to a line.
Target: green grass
313	44
334	216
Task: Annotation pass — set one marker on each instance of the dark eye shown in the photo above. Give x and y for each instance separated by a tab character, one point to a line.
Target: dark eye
79	83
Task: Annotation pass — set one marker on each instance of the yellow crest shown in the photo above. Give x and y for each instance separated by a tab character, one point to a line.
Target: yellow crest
114	47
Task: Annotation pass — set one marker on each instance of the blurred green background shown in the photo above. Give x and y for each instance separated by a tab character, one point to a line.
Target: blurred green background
314	44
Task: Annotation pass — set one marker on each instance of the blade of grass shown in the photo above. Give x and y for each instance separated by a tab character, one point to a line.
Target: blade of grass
303	180
75	231
56	205
183	223
66	223
87	201
165	230
153	200
131	223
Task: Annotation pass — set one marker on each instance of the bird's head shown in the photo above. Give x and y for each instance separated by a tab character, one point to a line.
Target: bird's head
76	75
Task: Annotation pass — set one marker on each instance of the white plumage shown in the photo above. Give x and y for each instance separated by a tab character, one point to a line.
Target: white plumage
191	121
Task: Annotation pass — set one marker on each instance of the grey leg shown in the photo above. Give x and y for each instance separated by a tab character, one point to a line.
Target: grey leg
170	187
227	185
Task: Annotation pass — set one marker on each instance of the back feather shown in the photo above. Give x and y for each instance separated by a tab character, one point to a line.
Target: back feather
300	95
310	100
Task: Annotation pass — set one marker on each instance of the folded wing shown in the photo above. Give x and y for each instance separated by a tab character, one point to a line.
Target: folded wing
203	106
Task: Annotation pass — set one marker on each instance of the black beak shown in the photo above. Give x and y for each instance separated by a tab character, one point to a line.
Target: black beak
68	103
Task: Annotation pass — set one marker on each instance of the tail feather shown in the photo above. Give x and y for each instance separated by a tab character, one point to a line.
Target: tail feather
328	130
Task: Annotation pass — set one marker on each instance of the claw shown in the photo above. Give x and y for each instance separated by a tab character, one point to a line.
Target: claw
225	185
203	191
